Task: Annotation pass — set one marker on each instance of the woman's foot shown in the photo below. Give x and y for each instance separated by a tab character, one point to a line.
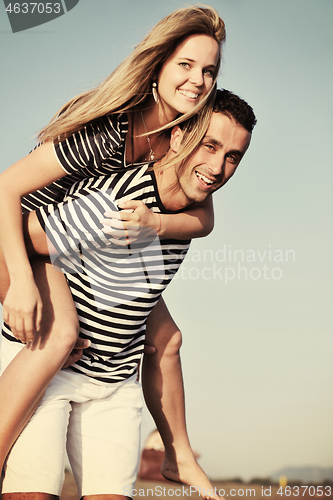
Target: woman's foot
189	472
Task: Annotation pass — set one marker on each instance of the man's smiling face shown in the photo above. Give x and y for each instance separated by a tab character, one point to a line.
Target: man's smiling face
216	160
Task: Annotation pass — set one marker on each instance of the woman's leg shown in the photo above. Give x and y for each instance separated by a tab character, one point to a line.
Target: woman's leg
25	379
162	383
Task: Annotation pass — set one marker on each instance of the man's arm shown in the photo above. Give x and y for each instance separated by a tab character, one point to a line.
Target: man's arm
163	390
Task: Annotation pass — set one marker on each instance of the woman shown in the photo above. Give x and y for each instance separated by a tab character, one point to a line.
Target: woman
168	78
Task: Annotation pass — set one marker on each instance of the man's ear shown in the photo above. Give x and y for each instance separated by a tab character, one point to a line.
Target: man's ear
176	139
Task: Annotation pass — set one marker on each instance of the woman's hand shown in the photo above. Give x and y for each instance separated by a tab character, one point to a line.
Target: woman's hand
22	309
133	223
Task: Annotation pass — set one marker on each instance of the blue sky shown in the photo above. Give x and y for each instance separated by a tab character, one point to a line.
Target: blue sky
254	301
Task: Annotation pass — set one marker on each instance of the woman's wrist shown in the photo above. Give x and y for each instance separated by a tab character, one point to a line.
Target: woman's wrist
159	227
156	222
21	273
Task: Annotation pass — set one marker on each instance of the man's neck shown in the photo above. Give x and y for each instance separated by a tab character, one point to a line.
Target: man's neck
170	192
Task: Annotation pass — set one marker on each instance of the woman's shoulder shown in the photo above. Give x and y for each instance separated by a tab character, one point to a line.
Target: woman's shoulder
111	129
113	122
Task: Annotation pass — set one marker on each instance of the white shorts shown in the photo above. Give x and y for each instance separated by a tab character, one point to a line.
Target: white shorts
101	424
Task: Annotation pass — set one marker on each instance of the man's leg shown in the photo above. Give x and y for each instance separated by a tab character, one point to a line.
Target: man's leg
103	441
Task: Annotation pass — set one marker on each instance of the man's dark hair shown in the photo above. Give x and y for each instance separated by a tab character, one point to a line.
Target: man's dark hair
227	103
235	108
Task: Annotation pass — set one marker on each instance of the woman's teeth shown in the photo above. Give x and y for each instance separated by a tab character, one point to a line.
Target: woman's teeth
189	94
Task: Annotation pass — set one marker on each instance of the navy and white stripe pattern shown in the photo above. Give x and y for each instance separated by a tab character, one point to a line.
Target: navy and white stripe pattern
114	288
98	149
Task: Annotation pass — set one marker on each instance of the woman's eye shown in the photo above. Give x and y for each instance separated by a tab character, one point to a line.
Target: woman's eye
184	64
209	72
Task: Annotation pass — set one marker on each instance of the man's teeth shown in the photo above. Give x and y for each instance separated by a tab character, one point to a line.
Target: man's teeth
205	179
189	94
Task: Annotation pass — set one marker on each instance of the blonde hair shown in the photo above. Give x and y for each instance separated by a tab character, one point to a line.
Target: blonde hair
130	84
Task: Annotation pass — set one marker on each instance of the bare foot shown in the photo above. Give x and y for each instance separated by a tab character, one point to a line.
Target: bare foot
189	472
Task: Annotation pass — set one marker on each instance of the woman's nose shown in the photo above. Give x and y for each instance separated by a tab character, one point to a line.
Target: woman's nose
196	77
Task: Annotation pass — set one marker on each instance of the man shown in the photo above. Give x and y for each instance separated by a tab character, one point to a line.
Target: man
90	274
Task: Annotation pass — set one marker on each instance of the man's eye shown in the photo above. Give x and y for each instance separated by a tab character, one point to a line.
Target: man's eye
210	147
232	159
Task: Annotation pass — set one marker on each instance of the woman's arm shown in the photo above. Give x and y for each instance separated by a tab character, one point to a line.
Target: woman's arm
137	222
22	306
196	222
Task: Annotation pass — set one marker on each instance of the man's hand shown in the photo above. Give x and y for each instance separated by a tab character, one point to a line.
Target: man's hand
149	349
77	352
81	344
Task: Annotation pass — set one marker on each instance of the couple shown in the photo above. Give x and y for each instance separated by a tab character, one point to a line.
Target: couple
98	396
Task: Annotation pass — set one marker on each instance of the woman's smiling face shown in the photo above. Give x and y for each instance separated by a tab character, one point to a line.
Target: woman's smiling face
187	75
